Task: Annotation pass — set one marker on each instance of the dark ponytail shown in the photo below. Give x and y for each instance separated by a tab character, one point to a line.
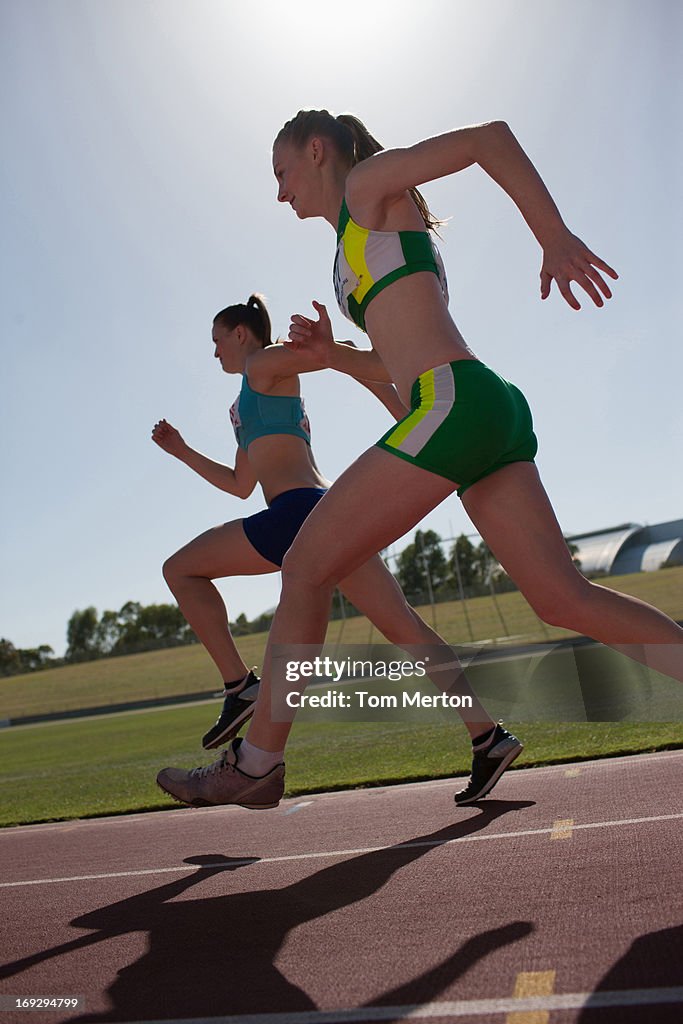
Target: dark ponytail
252	313
352	141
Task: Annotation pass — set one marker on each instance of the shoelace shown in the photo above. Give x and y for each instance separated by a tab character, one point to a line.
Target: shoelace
229	701
219	765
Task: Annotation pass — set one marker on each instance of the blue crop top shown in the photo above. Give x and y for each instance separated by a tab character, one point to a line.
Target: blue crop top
254	414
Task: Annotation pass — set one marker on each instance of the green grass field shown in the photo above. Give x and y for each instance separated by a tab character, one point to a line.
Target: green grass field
107	764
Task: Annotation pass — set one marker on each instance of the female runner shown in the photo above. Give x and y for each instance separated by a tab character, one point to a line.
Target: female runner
468	430
274	450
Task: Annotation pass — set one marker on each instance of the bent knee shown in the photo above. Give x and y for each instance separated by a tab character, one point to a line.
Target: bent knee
299	569
172	570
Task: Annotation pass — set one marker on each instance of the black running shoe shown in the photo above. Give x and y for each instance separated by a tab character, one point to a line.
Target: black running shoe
238	707
489	764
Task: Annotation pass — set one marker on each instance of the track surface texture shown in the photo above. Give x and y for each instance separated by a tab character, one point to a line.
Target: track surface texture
558	901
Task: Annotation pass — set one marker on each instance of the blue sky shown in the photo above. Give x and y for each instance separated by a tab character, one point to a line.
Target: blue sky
138	200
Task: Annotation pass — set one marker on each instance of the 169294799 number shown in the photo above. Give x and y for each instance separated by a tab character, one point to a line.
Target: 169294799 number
42	1003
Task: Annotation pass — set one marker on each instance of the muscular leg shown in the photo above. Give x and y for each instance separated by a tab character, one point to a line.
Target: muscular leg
380	497
221	551
513	514
375	593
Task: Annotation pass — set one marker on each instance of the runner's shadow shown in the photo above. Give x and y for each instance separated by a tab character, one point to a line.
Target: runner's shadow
651	961
216	955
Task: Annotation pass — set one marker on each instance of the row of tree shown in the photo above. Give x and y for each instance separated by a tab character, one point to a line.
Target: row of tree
133	629
427	573
14	660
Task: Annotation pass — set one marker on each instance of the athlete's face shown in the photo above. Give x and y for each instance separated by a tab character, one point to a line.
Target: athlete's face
294	169
227	348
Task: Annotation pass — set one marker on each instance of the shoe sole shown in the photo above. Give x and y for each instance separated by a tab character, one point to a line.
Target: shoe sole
206	803
505	763
231	730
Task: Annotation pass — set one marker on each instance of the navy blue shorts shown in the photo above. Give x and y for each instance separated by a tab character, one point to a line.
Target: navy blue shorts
272	531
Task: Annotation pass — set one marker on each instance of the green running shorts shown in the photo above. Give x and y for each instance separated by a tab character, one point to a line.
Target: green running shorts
465	423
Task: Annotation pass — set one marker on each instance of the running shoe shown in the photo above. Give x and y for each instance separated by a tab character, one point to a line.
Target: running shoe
223	783
238	707
489	764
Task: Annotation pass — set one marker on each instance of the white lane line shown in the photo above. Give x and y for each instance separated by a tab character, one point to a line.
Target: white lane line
528	773
459	1008
486	837
298	807
577	767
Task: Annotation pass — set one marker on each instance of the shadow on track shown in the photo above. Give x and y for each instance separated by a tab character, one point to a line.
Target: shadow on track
216	956
651	961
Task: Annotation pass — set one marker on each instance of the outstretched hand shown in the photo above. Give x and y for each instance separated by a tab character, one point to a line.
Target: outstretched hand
168	438
567	259
312	337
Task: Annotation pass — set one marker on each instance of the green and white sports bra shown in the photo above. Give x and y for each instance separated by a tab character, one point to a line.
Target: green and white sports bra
367	261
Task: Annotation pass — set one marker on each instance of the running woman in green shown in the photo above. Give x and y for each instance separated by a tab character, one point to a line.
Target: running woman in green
468	430
274	451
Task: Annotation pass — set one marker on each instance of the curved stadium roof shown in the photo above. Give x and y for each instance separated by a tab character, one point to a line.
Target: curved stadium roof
630	547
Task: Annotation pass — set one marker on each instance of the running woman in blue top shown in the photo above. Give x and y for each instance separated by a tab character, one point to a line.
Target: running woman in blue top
274	450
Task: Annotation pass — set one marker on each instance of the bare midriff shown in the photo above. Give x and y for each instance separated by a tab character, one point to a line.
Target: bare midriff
412	331
283	463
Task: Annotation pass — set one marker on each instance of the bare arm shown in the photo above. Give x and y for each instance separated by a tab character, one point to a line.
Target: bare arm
314	337
311	347
239	481
377	182
313	340
387	393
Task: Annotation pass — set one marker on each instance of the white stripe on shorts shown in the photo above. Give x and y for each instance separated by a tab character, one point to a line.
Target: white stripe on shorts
441	405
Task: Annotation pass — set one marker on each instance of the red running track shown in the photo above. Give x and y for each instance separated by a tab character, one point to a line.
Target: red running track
559	901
